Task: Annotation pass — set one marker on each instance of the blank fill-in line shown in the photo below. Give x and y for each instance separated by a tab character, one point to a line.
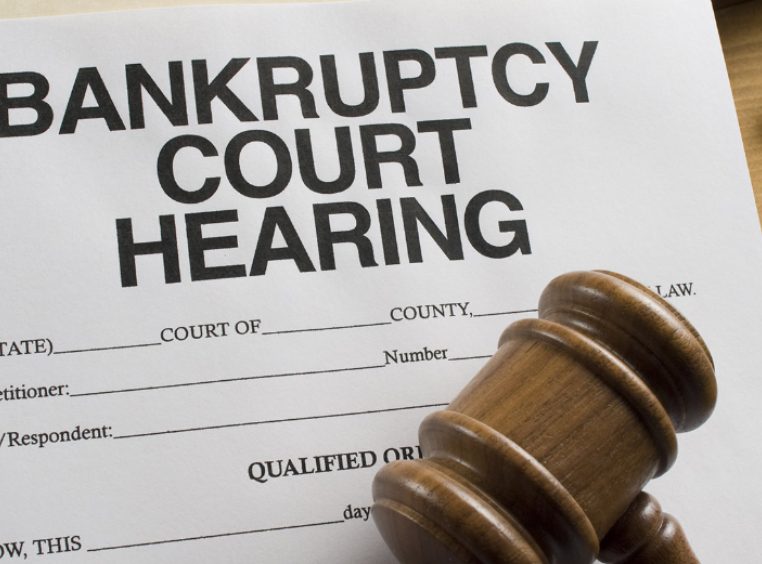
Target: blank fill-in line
228	380
286	420
215	536
514	312
334	328
475	357
114	348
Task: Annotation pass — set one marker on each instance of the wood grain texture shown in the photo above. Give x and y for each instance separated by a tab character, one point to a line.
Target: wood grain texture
741	32
726	3
543	456
645	535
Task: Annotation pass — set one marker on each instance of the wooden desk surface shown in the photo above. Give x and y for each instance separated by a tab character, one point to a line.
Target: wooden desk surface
741	32
740	27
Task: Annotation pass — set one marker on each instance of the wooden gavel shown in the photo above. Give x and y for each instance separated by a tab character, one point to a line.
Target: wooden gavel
543	456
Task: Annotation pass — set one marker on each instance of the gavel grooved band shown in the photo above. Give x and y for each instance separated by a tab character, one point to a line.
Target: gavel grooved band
548	448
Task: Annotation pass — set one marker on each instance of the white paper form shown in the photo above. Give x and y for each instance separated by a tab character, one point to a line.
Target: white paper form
246	250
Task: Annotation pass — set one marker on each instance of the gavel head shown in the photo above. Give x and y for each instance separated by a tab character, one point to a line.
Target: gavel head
550	443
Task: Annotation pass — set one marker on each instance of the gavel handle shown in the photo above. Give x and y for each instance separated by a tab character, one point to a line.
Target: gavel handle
645	535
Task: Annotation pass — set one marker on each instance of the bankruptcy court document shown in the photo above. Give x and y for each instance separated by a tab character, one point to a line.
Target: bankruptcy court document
245	250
